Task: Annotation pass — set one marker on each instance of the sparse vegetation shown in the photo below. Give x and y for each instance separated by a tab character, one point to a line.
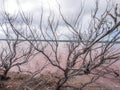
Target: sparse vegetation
44	82
89	56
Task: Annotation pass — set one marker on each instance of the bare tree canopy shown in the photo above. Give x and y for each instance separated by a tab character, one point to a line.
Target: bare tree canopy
12	53
84	57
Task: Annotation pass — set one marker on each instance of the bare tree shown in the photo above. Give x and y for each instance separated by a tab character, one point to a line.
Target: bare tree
91	52
14	52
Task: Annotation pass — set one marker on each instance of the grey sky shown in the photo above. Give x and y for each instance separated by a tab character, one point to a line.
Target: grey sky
70	8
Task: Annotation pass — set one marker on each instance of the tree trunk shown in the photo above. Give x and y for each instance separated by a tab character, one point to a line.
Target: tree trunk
60	83
5	73
58	87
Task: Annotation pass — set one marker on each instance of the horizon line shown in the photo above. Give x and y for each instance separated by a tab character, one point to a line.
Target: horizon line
55	40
